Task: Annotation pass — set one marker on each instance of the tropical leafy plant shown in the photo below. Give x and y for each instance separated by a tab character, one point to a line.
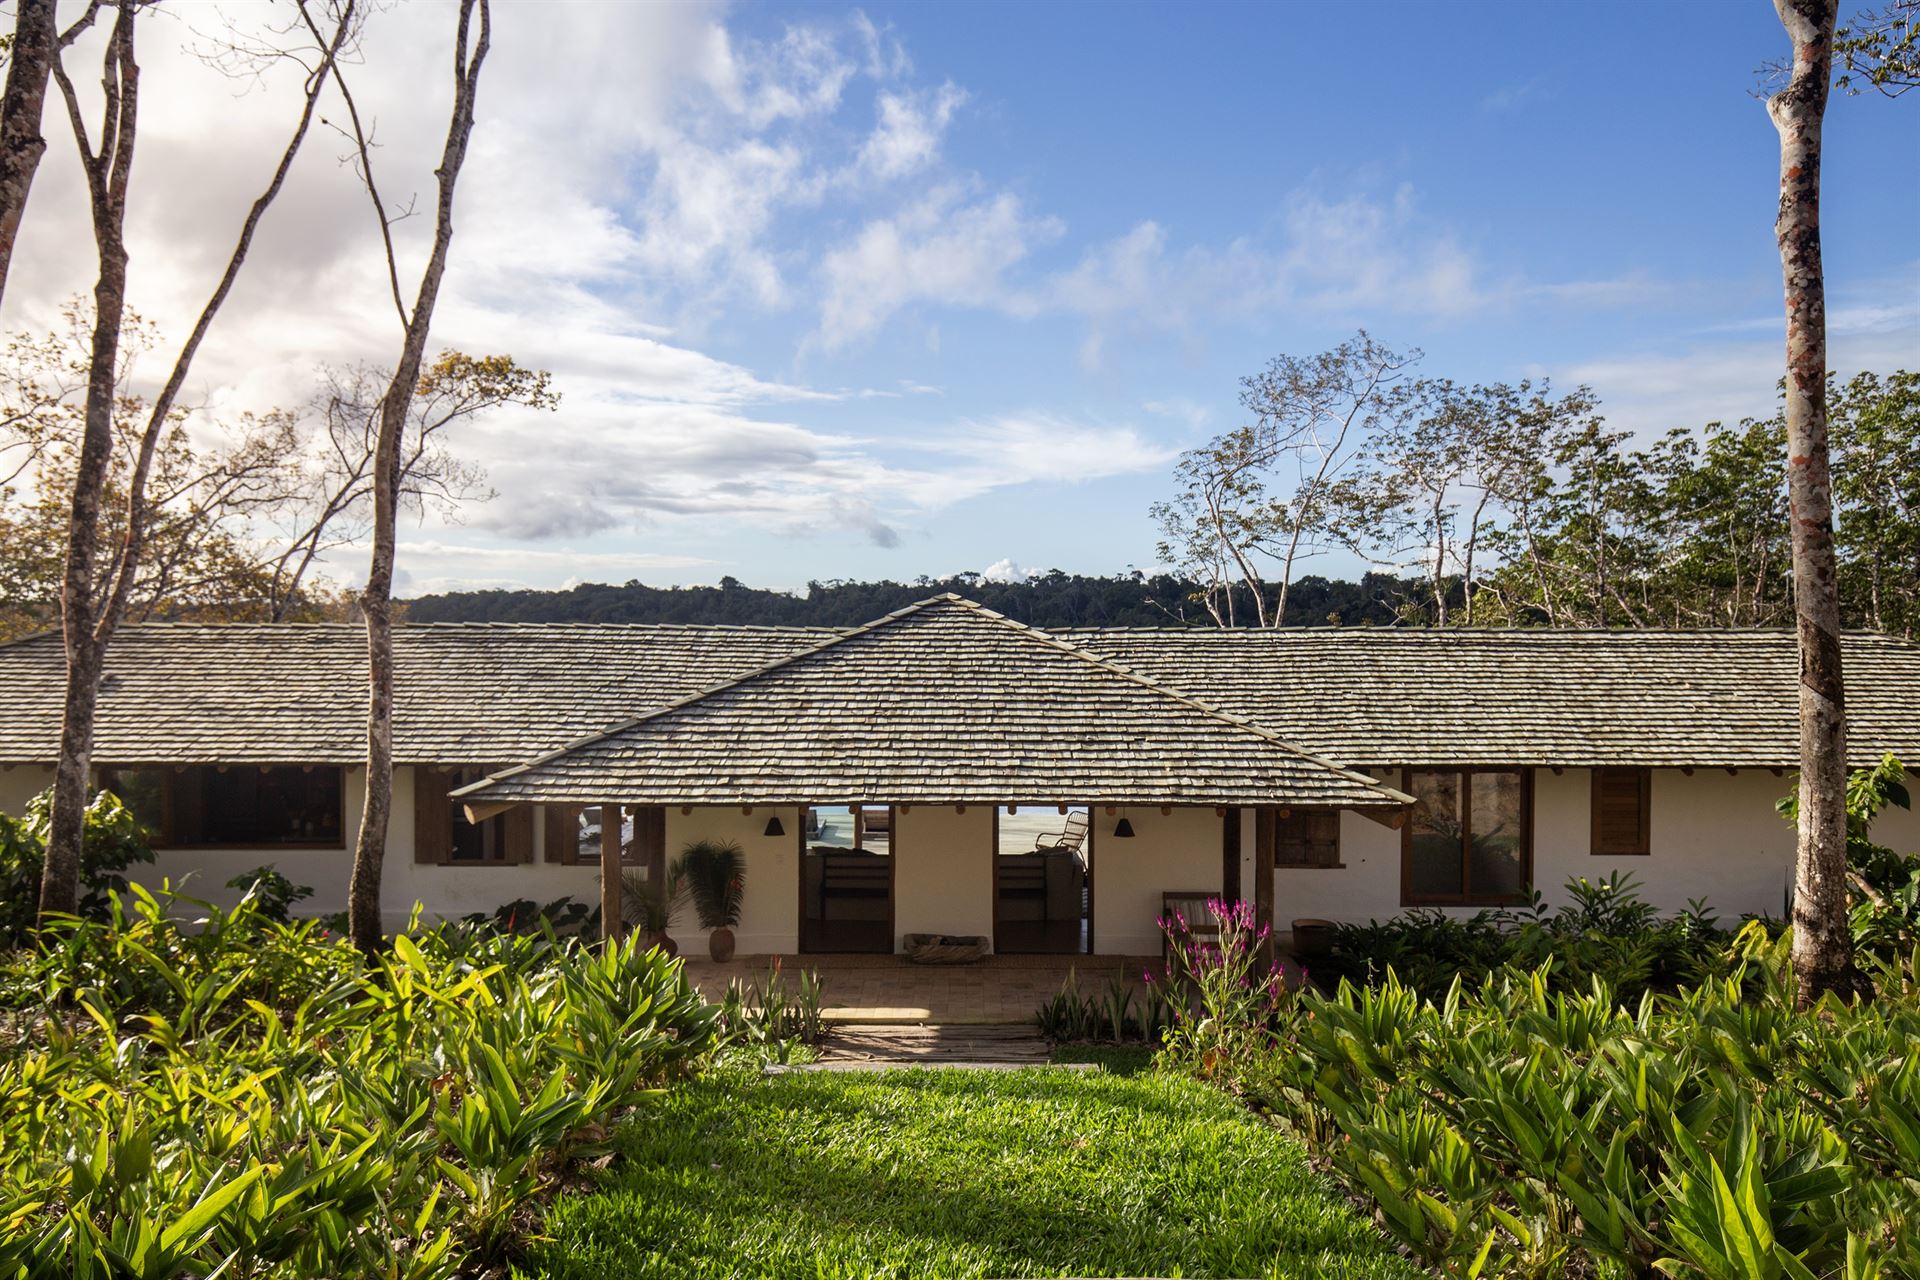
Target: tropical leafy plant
1118	1013
221	1092
1515	1127
775	1021
715	874
113	840
273	892
1605	930
650	907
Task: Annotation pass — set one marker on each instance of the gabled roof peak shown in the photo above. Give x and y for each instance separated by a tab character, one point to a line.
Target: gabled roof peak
943	700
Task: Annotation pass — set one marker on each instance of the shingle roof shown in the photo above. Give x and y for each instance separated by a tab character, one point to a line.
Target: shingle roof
473	693
941	702
496	694
1566	698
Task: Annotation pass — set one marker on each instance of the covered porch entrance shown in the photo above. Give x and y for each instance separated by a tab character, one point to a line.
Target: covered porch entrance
1019	876
924	730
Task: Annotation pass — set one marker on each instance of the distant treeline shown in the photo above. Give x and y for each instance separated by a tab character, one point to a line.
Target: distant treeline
1052	599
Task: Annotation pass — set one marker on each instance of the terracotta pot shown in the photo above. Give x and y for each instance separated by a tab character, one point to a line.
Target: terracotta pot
720	945
665	942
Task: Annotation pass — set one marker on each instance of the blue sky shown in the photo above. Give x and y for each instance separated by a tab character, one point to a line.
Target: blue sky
912	289
1600	176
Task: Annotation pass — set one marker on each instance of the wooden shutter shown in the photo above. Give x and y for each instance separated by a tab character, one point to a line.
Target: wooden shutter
1307	838
1622	807
518	822
562	834
1230	855
649	838
432	814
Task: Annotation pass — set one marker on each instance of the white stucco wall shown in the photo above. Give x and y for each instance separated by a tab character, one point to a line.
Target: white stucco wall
454	891
21	783
1177	851
943	873
770	910
1712	835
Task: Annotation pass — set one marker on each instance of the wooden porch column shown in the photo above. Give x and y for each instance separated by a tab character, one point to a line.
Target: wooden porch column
611	918
1263	837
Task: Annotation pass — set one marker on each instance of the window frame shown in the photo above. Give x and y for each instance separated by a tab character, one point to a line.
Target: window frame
1267	830
434	847
165	834
1467	897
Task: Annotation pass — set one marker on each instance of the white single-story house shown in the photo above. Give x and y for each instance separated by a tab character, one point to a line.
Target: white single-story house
946	770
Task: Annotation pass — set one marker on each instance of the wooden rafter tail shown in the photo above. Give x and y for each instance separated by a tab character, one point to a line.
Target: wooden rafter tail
1392	819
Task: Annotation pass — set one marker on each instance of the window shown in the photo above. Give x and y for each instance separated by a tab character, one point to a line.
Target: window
573	834
1622	805
442	832
243	805
1469	838
1301	837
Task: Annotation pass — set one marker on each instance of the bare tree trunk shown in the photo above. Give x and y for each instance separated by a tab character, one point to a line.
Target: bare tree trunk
89	613
1248	573
1822	945
21	145
1473	540
107	170
370	848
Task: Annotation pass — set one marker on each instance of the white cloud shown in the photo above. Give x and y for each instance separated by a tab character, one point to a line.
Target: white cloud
945	249
1180	409
907	137
1649	392
1005	571
590	220
636	172
1346	259
1016	449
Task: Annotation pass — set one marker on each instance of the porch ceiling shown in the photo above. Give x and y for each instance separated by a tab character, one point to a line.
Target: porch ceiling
943	702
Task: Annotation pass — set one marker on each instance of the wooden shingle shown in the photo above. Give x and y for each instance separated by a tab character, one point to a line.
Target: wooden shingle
942	702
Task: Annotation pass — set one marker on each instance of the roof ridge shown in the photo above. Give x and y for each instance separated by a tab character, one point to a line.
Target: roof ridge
723	686
1178	695
973	606
1783	632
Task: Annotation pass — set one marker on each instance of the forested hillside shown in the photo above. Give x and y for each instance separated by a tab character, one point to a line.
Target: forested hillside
1046	600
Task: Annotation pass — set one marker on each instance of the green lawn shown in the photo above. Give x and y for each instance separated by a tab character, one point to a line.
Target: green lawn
956	1173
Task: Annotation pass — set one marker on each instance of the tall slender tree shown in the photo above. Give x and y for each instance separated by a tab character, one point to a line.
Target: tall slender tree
29	64
376	601
91	606
1822	945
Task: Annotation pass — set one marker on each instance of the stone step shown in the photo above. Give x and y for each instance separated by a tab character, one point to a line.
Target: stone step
998	1044
844	1065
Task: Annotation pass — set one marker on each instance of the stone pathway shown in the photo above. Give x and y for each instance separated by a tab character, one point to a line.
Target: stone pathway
880	1047
887	991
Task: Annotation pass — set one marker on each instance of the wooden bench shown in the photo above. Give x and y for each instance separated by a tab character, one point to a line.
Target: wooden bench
851	874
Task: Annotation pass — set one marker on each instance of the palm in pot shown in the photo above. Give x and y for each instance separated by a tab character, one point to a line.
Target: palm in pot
650	907
715	875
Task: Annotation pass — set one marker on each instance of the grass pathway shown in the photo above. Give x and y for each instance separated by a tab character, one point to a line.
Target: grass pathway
956	1173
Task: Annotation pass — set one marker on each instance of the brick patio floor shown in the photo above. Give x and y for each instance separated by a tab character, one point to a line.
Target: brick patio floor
886	989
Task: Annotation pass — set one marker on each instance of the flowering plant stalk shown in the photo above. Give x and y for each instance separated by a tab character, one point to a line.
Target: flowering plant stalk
1229	998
